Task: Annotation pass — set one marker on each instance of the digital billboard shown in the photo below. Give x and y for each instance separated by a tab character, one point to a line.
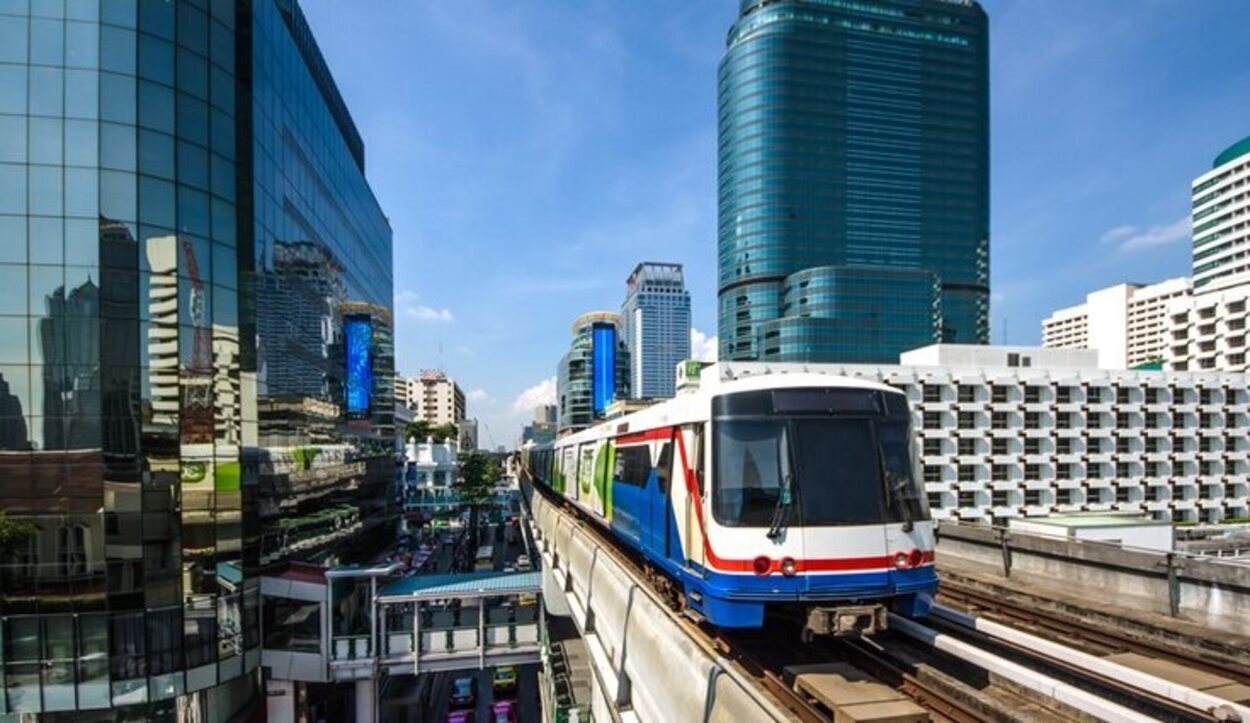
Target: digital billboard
358	336
604	353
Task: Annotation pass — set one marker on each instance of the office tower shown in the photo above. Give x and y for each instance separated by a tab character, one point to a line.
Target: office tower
655	327
854	179
594	372
172	176
1220	207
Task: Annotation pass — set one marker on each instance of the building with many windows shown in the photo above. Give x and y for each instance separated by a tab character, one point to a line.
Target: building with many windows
435	397
593	373
655	327
1208	331
1009	432
195	348
1221	217
1126	323
854	179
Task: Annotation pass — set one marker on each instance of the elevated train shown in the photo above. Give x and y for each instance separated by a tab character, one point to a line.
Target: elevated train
781	493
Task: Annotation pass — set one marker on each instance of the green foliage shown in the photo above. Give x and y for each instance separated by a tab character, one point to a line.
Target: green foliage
304	456
13	533
421	430
478	475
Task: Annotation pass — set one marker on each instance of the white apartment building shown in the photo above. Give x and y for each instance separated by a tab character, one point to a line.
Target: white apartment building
433	396
1125	323
1208	330
1221	217
1007	432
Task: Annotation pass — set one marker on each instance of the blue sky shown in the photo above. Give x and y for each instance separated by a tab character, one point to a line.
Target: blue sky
530	152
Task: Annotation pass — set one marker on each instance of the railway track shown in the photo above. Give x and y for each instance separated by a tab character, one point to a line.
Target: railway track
948	682
1029	613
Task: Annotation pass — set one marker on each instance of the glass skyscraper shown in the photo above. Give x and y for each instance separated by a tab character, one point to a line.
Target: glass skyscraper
655	326
854	179
172	368
594	372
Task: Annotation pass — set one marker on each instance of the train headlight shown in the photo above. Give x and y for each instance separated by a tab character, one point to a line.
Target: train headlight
761	565
917	558
902	561
788	567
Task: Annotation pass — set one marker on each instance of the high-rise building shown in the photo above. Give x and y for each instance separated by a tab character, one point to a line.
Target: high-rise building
655	326
594	371
195	293
1124	323
545	414
436	398
467	434
1221	208
854	179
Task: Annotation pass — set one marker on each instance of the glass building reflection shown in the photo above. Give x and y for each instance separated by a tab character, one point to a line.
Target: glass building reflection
185	226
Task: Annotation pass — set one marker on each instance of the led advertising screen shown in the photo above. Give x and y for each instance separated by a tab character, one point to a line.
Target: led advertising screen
358	335
605	366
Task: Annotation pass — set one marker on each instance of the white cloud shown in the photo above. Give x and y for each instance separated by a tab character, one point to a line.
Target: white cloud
408	303
702	346
541	393
477	395
1131	238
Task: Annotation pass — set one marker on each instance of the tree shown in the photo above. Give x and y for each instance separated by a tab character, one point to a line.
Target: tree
422	430
444	432
417	429
13	534
478	475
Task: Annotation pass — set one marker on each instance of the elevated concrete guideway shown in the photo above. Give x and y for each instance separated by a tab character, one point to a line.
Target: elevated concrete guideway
647	666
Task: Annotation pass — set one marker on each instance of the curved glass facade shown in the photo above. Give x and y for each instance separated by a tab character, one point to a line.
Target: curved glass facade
594	372
854	135
137	250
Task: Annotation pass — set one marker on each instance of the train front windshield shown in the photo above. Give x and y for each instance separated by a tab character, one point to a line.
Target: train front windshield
813	457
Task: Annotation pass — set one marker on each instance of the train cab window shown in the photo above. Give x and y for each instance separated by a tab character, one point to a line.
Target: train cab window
633	465
664	466
747	472
839	472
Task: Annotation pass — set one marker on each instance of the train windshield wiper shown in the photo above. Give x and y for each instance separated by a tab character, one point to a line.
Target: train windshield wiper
785	495
894	487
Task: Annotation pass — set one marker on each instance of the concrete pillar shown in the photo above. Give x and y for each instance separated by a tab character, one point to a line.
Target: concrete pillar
365	704
280	701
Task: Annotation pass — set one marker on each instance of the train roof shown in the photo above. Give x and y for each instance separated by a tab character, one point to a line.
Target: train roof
723	378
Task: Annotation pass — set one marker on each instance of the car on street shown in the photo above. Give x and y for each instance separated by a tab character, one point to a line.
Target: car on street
523	562
504	680
503	712
463	693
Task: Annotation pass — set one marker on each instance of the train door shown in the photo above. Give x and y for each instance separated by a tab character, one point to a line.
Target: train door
690	439
659	502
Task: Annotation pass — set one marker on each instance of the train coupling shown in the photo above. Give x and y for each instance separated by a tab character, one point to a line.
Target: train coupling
846	621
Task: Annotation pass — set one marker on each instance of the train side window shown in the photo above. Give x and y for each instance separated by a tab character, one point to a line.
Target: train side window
664	466
633	465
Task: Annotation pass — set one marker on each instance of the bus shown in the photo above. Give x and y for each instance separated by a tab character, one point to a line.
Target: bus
485	560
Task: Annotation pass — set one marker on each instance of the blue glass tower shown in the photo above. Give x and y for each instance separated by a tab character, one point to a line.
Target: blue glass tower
594	372
854	179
